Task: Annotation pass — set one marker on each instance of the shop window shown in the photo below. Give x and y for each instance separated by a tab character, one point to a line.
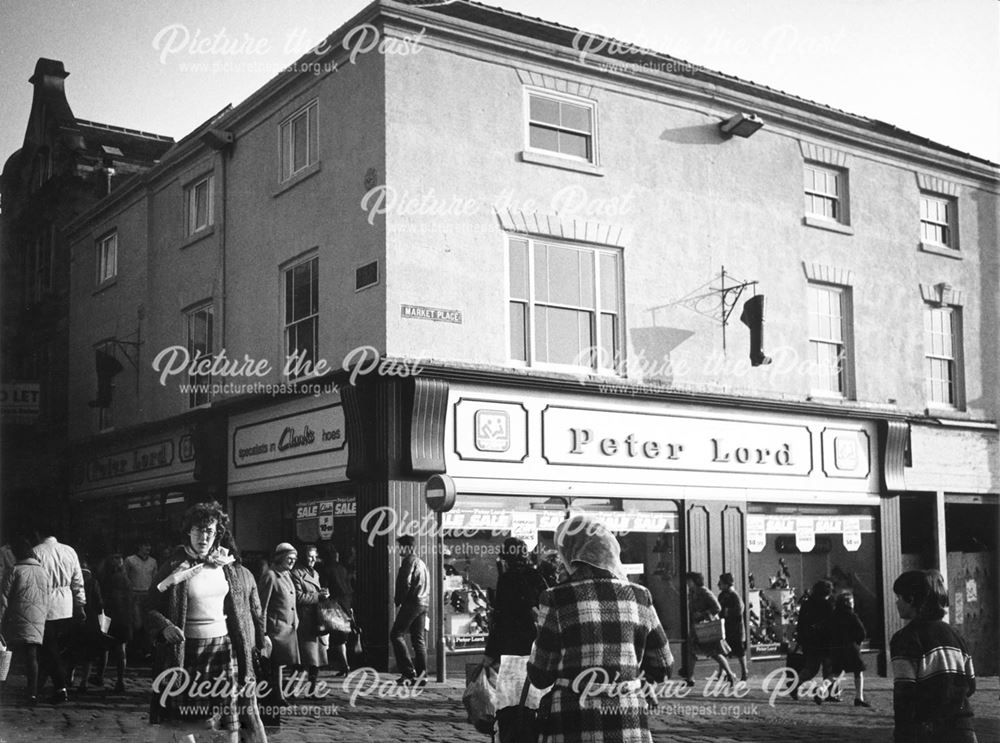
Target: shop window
475	529
565	305
789	549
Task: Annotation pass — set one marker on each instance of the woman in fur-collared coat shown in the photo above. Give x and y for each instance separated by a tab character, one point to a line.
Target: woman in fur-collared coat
205	619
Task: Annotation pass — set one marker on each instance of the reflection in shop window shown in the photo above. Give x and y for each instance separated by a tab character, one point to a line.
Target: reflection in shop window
791	548
474	532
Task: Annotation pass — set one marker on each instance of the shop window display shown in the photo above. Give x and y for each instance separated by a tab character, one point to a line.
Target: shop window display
474	531
789	549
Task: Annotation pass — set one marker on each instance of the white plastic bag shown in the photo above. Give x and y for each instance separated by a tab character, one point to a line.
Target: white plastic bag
480	700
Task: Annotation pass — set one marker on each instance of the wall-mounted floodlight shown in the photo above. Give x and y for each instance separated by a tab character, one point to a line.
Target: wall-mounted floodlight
741	125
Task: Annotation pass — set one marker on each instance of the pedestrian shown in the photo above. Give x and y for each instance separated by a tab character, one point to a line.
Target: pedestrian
597	622
702	606
24	605
277	598
117	592
515	609
732	617
308	592
412	597
140	569
200	618
848	633
933	676
65	608
334	575
813	632
88	647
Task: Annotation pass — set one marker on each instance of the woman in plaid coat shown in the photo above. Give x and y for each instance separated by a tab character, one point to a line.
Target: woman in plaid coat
600	643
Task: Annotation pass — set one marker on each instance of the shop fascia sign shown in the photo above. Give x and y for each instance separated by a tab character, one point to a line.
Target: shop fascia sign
622	439
290	436
139	460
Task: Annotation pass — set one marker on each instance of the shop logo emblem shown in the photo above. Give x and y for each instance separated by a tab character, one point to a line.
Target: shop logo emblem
845	453
492	430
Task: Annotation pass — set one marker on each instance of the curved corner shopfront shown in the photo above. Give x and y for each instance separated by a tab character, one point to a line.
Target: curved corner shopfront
778	500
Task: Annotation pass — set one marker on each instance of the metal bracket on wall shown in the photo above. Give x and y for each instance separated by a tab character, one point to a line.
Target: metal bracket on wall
730	298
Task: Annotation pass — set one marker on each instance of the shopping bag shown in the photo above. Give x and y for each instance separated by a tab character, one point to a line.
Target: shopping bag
104	622
709	632
333	619
480	700
5	658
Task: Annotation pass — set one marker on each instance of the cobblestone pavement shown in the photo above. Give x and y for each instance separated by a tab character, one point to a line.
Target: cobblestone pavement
436	715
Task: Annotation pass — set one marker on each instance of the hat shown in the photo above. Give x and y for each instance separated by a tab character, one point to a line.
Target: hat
283	549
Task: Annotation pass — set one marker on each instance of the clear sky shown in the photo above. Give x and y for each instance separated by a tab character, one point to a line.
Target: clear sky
931	67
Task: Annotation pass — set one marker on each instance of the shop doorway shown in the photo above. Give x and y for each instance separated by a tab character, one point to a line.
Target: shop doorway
971	541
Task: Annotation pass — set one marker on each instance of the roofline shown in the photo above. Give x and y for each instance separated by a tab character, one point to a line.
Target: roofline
725	92
991	172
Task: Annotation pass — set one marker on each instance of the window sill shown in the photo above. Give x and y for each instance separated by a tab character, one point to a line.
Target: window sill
198	236
941	250
958	414
835	398
101	288
554	161
827	224
296	179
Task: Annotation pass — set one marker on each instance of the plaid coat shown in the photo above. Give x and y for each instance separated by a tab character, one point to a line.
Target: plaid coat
597	622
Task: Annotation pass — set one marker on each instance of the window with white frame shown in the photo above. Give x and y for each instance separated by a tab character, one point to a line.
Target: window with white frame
942	355
937	220
200	205
565	304
825	190
299	140
107	258
829	339
302	313
200	343
561	124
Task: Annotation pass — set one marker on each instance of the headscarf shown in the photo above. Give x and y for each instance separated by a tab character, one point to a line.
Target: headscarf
581	539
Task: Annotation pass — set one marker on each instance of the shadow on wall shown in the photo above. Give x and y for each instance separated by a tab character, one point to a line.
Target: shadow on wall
700	134
652	349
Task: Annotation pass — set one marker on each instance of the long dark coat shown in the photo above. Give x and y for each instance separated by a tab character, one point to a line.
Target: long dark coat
277	596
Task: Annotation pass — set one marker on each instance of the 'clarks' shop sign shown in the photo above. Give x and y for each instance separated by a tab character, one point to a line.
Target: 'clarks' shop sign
290	436
611	439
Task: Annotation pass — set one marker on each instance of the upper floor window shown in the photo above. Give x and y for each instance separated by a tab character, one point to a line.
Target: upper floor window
942	355
200	343
108	367
565	304
107	258
829	340
561	124
200	204
299	138
825	190
302	314
937	220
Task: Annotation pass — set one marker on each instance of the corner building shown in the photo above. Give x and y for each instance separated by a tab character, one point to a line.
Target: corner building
525	267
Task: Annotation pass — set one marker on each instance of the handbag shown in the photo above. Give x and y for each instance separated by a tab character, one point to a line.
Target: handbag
709	631
519	724
354	645
332	619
